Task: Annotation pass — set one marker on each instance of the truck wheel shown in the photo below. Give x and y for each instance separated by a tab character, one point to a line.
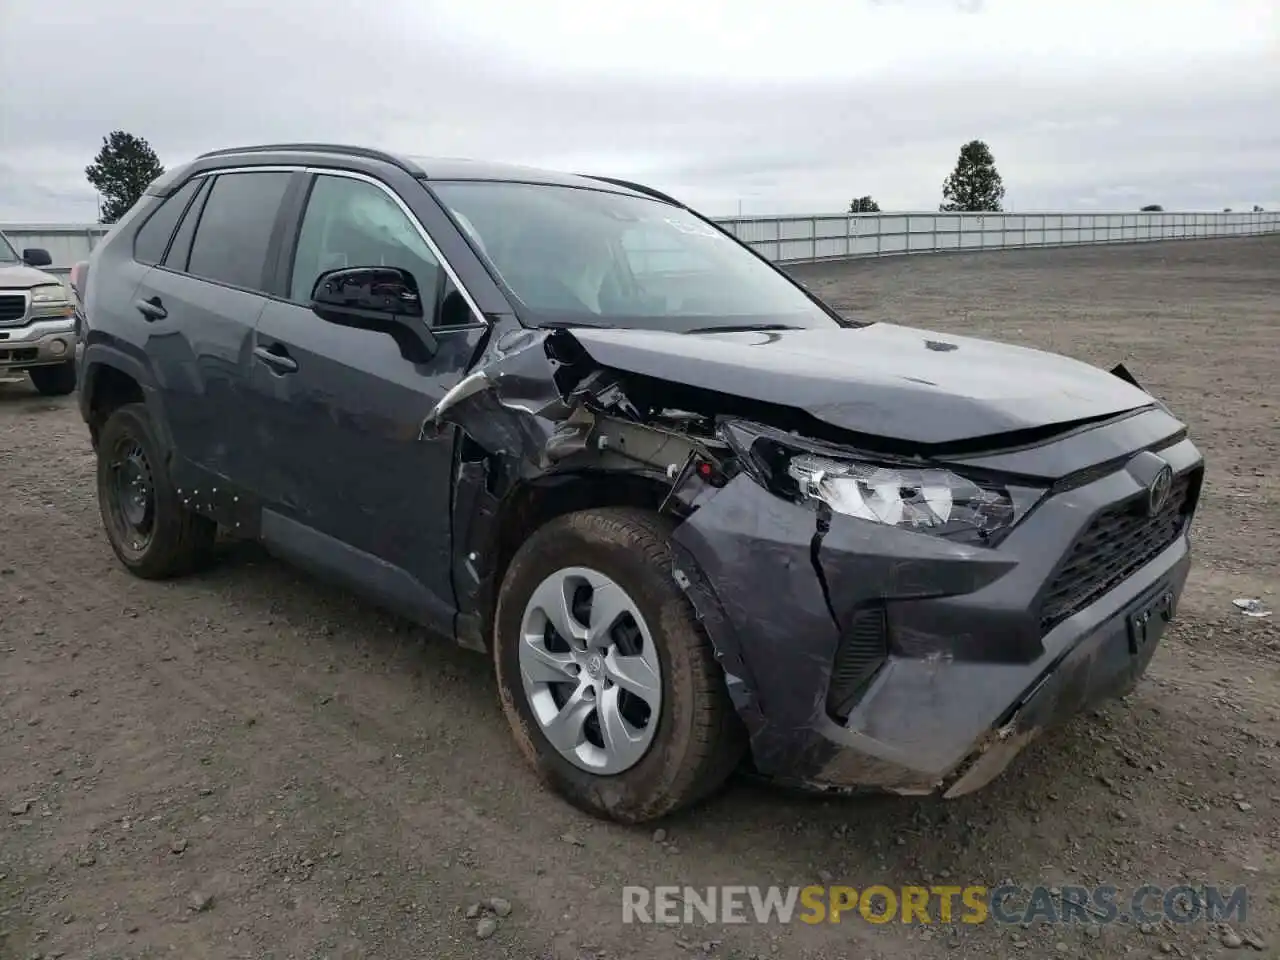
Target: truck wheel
152	533
54	380
607	679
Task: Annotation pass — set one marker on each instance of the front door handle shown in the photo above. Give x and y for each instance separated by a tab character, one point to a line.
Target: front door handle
276	358
151	310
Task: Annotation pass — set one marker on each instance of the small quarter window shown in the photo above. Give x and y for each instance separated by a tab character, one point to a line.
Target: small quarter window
152	240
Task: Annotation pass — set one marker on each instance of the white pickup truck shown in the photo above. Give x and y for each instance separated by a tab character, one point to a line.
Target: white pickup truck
38	329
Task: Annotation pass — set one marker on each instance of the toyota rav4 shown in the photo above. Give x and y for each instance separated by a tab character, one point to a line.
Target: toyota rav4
697	518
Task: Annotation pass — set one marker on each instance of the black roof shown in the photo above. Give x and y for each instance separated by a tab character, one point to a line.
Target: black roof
437	168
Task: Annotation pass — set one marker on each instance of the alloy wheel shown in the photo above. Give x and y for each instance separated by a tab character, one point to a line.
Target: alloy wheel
590	670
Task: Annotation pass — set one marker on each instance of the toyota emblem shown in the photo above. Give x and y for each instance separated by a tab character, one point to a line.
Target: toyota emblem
1158	491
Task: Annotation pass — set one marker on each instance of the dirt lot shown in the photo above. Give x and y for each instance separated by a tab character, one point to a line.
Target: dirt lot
250	764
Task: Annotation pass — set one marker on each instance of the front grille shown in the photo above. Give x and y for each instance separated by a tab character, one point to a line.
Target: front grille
19	356
13	307
862	650
1119	541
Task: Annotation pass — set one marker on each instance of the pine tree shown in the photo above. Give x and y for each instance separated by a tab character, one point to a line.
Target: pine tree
975	185
123	169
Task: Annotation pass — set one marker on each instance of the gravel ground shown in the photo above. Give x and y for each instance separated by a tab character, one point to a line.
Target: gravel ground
251	764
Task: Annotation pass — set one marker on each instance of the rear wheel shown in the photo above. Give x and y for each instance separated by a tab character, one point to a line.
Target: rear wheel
151	531
54	380
607	680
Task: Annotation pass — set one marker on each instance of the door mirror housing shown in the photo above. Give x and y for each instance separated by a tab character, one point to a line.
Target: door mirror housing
382	299
36	257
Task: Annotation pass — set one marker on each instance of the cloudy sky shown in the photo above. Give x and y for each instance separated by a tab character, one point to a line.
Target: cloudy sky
759	105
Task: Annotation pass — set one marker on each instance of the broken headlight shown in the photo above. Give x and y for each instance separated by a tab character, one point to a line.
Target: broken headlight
927	500
913	496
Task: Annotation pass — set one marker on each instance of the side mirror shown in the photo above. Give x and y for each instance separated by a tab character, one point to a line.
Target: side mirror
36	257
382	299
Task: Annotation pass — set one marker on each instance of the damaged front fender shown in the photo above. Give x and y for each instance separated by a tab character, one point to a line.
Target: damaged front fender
537	414
510	402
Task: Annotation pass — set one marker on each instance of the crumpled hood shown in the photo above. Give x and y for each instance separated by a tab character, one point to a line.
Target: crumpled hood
882	380
19	276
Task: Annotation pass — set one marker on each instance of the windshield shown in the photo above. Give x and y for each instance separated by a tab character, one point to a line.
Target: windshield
572	255
7	253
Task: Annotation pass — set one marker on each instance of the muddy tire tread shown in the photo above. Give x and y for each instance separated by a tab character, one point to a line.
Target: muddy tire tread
714	742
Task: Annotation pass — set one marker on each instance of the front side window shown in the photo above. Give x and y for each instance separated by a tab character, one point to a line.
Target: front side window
234	232
7	253
352	223
602	258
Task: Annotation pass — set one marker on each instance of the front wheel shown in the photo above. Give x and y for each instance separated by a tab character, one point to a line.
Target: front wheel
55	380
607	680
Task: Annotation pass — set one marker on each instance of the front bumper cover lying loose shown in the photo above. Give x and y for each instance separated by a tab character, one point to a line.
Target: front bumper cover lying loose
971	675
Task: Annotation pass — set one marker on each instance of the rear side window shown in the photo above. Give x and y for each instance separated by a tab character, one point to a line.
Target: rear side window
235	228
153	238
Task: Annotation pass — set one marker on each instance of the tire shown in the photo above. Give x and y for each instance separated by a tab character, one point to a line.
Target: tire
54	380
695	740
176	540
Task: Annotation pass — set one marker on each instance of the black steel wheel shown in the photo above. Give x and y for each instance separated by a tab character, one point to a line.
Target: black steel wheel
131	504
151	531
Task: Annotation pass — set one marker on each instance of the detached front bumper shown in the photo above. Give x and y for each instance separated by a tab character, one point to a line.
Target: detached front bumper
978	649
38	343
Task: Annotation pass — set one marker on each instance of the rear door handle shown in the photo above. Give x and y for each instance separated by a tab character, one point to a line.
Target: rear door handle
276	358
151	310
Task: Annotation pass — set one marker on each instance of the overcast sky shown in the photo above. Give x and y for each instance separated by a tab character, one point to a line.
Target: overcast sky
776	106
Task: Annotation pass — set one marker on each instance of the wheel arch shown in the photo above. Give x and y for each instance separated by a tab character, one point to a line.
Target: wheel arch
110	378
526	507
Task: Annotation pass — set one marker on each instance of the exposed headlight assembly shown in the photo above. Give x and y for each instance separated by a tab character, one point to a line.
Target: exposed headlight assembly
930	500
911	495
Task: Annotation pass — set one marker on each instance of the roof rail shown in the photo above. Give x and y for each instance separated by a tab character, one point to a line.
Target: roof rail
638	188
367	153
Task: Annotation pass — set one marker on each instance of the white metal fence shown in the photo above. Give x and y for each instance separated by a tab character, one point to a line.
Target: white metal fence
809	239
797	239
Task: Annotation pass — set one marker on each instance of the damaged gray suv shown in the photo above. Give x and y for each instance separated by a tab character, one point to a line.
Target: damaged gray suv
699	520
